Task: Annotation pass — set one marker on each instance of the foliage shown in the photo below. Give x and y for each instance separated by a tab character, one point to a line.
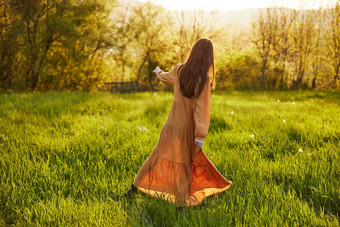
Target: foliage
294	43
52	45
67	158
237	70
79	45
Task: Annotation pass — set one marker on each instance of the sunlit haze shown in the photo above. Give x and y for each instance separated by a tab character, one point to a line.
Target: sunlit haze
240	4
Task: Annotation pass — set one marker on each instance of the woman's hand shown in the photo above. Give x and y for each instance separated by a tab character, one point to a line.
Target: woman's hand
199	143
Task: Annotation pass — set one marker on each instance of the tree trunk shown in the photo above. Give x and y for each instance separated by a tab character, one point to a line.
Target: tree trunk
150	77
141	66
336	76
283	69
263	69
32	74
9	73
123	70
314	82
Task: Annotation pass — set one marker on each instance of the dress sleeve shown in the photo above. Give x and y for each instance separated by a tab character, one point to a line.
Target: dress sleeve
167	77
202	112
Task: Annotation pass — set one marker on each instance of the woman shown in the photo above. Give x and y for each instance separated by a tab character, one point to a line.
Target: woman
178	170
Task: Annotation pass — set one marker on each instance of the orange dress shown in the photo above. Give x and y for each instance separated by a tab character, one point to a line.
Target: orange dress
177	170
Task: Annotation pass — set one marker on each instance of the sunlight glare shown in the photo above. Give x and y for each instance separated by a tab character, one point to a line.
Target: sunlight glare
240	4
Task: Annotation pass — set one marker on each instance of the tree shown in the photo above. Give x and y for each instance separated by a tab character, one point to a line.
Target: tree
302	33
262	37
192	25
317	53
124	33
151	22
48	44
9	44
283	47
333	41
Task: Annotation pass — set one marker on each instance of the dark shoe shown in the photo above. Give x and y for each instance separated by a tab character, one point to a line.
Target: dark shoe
130	191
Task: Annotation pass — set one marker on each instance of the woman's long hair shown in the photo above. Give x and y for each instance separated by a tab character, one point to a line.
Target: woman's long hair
195	71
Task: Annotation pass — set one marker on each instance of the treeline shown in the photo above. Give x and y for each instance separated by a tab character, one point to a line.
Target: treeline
52	44
79	45
298	48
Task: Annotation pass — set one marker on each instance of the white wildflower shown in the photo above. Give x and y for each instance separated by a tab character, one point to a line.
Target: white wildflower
300	150
278	100
293	103
284	121
308	153
213	96
142	128
252	135
232	112
155	93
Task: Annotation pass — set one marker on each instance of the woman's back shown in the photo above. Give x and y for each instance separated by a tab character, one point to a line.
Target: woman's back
193	113
177	169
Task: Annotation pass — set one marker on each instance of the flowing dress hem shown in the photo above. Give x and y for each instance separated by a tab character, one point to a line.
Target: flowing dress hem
194	200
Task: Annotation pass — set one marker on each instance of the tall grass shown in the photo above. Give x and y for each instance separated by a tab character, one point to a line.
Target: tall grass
66	159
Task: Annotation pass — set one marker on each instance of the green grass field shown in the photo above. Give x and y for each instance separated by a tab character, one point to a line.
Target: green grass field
67	158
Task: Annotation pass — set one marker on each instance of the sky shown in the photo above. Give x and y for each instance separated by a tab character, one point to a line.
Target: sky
240	4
